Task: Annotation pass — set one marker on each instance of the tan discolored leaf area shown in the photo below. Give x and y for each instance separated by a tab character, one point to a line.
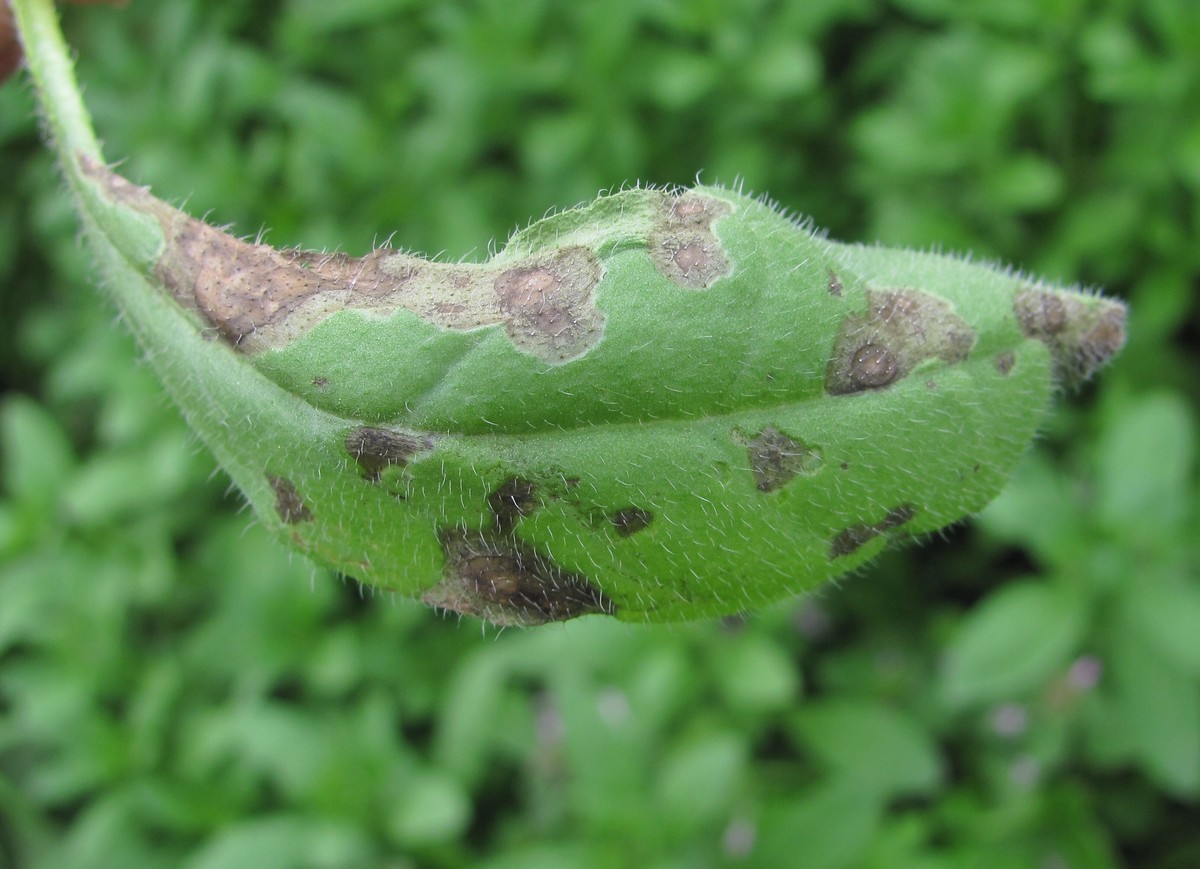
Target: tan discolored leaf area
684	246
258	297
899	330
1082	335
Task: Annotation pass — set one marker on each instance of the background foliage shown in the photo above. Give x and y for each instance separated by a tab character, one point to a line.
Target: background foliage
176	690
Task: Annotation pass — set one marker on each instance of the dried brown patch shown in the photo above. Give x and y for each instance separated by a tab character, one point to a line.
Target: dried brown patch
872	366
683	245
241	288
630	520
899	330
776	459
260	298
507	583
288	503
516	497
1005	363
376	449
1042	315
547	305
852	538
1082	332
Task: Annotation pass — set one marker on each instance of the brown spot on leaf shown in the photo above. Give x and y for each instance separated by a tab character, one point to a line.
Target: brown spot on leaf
835	284
288	503
260	298
775	458
1102	341
691	209
507	583
854	537
691	259
378	448
630	520
872	366
249	290
515	497
1005	363
1041	314
547	305
1082	332
683	245
899	330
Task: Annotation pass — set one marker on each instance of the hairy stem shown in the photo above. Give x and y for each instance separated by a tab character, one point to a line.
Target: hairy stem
69	126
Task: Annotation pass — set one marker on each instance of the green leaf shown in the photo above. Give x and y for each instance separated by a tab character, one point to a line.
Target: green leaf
268	740
829	826
101	491
754	675
1167	614
433	808
283	842
1146	460
557	855
882	749
607	752
698	780
1012	642
1036	510
37	456
1151	716
473	700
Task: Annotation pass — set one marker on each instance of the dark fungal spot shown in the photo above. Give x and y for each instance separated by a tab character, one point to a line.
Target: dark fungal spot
376	449
854	537
1005	363
288	503
1082	332
514	498
734	624
897	516
899	330
872	366
776	458
320	382
508	583
630	520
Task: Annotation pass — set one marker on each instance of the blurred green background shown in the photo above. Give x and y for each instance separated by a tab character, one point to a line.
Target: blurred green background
1024	691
